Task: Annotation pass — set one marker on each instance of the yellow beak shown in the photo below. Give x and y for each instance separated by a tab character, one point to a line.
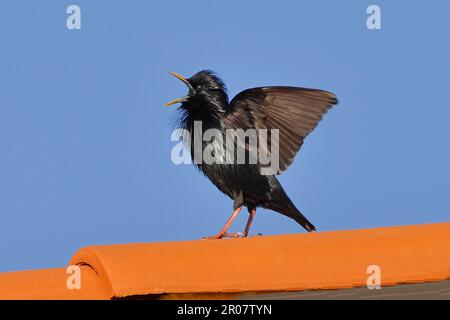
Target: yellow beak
185	98
179	100
176	75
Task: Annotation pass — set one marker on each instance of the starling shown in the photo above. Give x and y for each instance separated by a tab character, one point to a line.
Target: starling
294	112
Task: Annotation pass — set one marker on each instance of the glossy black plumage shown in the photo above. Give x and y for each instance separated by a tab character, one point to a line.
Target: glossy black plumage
295	112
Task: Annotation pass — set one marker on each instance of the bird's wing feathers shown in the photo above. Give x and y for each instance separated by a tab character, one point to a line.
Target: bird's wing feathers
295	112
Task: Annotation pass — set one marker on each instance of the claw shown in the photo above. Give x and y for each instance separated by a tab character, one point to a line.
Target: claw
225	235
234	235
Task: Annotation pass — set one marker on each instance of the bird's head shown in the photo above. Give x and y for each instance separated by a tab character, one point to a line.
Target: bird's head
205	88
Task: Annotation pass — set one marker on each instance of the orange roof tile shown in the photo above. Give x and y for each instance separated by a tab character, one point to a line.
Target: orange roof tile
50	284
321	260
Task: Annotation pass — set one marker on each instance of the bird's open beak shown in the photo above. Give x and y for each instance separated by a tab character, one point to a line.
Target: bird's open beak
185	98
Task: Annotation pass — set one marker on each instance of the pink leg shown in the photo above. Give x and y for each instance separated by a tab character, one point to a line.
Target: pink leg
249	222
223	232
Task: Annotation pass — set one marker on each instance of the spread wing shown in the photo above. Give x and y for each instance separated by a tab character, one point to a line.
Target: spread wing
295	112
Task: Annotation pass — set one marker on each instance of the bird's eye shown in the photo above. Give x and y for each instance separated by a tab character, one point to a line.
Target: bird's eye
199	88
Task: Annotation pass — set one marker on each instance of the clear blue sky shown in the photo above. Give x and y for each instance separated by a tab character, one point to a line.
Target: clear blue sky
85	142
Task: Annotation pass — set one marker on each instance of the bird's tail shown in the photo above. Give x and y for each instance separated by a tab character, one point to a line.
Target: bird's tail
295	214
292	212
286	207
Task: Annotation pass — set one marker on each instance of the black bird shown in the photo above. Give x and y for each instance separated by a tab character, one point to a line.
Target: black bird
295	112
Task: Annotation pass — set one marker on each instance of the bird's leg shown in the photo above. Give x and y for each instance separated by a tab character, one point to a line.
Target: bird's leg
251	215
223	232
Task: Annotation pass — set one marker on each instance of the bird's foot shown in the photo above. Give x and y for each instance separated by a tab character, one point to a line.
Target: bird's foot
234	235
225	235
